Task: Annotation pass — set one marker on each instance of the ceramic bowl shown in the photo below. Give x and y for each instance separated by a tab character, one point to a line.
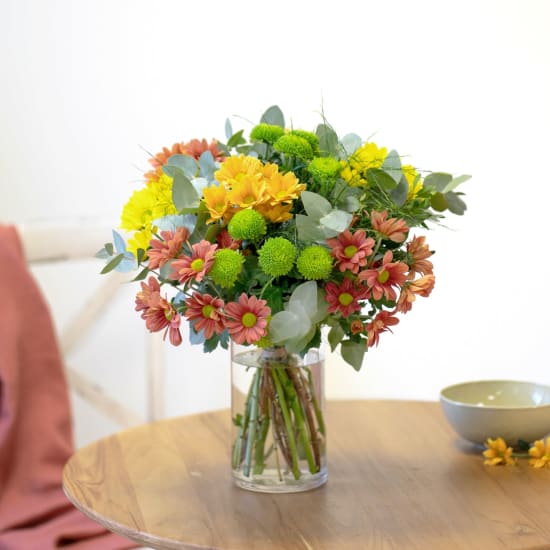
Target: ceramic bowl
498	408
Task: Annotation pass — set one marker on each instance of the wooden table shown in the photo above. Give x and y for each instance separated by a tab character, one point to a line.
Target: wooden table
399	478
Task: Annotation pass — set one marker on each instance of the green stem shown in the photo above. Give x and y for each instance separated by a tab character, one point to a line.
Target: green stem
252	423
288	421
301	429
318	413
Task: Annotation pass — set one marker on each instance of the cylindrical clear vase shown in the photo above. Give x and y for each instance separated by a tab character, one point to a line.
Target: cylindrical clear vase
277	406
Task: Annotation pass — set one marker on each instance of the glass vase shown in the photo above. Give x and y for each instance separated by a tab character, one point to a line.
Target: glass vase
277	406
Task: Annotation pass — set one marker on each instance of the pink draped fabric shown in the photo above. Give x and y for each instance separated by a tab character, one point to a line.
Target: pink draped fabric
35	421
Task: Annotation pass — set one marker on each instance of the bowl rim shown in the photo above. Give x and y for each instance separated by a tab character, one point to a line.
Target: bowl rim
443	397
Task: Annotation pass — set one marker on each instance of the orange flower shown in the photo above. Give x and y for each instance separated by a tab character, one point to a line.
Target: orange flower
195	266
381	323
394	229
357	326
247	319
422	286
351	251
344	298
207	312
381	280
168	248
193	148
158	312
418	253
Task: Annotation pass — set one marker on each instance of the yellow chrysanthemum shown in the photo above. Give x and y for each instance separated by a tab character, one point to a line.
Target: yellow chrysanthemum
367	156
540	454
140	239
283	188
248	192
216	200
278	213
145	205
414	180
234	169
498	453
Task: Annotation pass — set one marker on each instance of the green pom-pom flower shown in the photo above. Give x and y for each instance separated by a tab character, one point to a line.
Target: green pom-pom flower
324	169
268	133
247	225
310	137
276	257
314	263
227	267
293	145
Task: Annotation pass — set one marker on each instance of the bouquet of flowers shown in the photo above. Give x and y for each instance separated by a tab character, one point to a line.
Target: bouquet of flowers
268	238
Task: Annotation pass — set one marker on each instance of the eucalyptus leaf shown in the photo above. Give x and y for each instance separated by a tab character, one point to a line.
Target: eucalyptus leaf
141	275
236	139
112	264
335	336
274	116
337	220
350	143
438	180
283	326
305	295
309	229
455	204
120	244
353	353
109	248
392	166
207	166
350	203
184	194
401	192
140	255
201	227
187	164
455	182
328	140
228	129
380	178
316	206
166	270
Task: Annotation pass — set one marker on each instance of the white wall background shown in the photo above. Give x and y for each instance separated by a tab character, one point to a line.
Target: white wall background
461	87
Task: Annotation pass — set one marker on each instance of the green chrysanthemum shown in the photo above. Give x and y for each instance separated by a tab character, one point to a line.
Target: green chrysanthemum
247	225
295	146
310	137
276	257
268	133
324	169
314	262
227	267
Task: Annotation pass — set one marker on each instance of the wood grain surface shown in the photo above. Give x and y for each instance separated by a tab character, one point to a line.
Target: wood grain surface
399	478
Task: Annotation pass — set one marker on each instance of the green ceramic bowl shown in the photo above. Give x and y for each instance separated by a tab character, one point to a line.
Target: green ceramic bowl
498	408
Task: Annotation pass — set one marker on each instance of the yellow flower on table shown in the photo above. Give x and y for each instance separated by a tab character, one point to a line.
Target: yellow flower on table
498	453
540	454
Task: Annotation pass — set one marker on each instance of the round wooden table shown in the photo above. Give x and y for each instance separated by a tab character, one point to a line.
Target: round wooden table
399	478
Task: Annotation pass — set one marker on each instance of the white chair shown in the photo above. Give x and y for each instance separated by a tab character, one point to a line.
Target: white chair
49	242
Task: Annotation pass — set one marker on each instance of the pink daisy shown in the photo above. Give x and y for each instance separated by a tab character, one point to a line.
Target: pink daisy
394	229
381	280
195	266
158	312
380	324
351	250
170	247
344	298
207	311
247	319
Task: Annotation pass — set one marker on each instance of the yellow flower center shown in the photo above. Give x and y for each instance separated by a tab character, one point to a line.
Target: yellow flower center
249	319
383	276
345	298
350	250
207	310
197	265
249	199
168	314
